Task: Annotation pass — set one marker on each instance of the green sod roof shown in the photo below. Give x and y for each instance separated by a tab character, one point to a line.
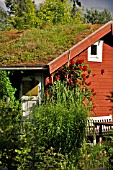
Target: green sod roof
39	46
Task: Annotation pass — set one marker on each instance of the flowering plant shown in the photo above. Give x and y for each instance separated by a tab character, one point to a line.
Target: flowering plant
76	75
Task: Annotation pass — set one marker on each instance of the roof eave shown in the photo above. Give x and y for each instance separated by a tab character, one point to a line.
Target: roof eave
10	68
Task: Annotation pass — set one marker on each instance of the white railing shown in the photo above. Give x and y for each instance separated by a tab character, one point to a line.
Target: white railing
91	120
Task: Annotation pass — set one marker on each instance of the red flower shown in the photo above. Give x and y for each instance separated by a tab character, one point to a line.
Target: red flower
81	61
83	82
72	84
89	84
70	80
83	75
94	93
76	81
83	90
92	90
90	99
58	77
93	75
84	68
71	71
77	61
72	62
80	67
84	78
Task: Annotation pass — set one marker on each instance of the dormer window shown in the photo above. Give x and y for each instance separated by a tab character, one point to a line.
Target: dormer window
95	51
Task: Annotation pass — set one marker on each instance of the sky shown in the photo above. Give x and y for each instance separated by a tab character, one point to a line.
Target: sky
99	4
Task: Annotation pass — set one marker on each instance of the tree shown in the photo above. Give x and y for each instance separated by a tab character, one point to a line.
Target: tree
3	17
22	13
54	11
10	4
74	8
97	17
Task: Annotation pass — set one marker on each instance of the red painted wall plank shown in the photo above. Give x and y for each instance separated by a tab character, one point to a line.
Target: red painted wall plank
102	83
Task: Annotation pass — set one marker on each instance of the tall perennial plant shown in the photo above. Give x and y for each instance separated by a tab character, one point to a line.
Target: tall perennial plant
59	124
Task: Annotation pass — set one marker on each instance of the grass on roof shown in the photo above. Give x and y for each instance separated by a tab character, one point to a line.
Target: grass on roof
41	45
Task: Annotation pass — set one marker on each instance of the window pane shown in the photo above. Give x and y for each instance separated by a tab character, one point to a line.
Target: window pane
93	49
27	85
30	87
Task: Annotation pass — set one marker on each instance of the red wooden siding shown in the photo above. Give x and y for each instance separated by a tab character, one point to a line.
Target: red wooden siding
102	83
76	49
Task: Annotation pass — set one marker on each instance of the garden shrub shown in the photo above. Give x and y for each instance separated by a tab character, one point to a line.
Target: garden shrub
93	156
52	137
60	122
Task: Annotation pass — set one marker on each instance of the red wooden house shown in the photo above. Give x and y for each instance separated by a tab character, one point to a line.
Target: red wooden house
96	49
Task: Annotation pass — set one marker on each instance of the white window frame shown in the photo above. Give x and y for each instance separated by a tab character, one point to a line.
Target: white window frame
98	56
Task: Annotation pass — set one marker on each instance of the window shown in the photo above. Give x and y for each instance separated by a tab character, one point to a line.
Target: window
95	51
30	86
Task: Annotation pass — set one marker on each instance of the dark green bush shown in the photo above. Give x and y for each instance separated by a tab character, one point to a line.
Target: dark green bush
59	124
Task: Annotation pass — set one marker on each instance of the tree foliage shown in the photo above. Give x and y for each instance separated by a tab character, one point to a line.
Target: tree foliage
95	16
57	11
75	8
54	11
3	16
22	13
10	4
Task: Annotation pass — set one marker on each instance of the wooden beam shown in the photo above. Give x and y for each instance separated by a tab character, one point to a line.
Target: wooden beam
60	61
